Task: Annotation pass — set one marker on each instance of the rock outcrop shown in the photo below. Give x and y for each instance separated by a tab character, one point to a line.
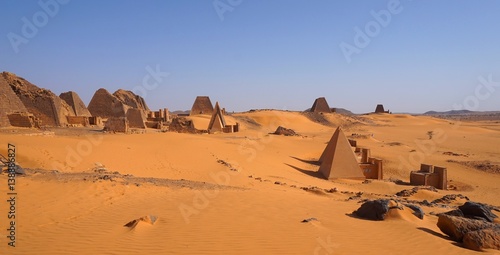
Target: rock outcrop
473	225
479	240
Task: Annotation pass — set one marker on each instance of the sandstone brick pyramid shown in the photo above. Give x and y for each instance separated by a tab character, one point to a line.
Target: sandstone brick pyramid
9	102
217	122
132	100
320	105
76	103
105	105
380	109
338	160
42	103
202	106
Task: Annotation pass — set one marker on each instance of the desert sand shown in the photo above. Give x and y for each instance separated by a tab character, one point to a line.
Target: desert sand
239	193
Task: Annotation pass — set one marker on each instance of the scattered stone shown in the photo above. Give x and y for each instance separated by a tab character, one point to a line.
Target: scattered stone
332	190
222	162
449	198
148	219
417	211
367	181
477	211
284	131
309	220
373	209
411	192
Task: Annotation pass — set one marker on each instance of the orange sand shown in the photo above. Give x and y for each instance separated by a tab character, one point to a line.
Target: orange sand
247	213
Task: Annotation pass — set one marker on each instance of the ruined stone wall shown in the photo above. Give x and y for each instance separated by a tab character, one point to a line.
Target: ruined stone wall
115	124
135	118
78	120
23	119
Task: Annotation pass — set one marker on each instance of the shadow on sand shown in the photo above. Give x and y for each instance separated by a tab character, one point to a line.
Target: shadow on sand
308	172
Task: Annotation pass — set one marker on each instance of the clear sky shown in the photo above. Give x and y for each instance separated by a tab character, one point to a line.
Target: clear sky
253	54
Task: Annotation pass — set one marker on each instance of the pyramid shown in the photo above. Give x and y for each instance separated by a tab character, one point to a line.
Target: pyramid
42	103
105	105
217	122
380	109
73	100
338	159
202	106
128	97
320	105
9	102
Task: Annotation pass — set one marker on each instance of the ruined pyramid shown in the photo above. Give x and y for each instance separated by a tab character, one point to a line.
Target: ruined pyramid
42	103
105	105
338	160
9	102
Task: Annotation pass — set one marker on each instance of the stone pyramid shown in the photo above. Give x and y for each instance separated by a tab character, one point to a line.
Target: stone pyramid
338	160
42	103
73	100
320	105
130	99
105	105
9	102
380	109
202	106
217	122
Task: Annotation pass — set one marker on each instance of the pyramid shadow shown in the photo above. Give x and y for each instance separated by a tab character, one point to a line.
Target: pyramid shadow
308	172
312	162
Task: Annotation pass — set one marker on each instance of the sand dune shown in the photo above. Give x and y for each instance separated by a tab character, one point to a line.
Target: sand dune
261	188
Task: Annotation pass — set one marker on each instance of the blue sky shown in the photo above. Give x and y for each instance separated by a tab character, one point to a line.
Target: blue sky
278	54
